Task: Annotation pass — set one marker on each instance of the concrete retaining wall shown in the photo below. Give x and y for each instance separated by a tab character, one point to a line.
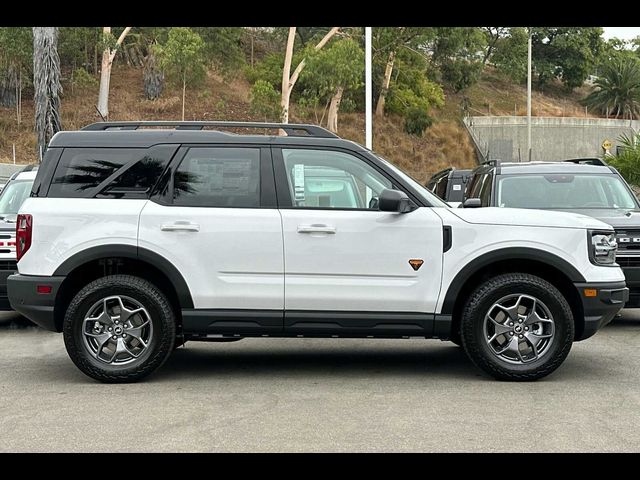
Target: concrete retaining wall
552	138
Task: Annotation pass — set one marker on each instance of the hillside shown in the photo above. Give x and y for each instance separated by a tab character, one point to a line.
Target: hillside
445	143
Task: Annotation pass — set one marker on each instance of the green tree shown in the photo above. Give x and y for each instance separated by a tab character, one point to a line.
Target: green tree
510	54
331	73
567	53
16	53
79	46
386	43
457	55
411	87
183	58
627	161
265	100
223	48
617	89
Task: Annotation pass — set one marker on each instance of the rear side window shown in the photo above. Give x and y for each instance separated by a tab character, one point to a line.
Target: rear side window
82	169
218	177
441	187
485	190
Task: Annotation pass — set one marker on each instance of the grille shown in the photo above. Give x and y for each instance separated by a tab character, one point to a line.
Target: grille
8	265
628	261
622	235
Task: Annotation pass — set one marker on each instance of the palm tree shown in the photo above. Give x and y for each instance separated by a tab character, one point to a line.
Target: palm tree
618	89
46	84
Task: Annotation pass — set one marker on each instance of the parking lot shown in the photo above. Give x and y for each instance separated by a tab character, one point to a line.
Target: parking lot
317	395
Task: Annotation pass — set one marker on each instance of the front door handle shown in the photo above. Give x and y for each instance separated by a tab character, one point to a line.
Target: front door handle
316	228
180	226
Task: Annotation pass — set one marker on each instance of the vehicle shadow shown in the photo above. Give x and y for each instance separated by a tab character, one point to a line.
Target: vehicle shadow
320	361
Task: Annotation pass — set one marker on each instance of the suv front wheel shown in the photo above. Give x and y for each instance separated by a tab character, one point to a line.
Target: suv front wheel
119	328
517	326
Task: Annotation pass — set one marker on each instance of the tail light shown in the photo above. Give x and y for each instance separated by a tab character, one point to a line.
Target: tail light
24	227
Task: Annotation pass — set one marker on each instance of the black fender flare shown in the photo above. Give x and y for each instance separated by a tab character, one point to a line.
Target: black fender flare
131	251
510	253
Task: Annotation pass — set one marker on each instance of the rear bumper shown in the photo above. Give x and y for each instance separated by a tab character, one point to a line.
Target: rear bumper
600	309
25	299
7	267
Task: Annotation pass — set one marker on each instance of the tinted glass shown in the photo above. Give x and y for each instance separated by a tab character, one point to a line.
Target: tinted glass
485	190
218	177
81	169
441	187
330	179
563	191
138	180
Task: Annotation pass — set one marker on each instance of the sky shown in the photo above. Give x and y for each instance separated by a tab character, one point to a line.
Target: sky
623	33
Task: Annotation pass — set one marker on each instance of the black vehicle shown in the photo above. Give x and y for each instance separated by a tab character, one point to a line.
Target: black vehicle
449	184
588	186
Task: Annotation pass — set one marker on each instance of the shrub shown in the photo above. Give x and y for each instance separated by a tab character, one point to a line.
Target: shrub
416	121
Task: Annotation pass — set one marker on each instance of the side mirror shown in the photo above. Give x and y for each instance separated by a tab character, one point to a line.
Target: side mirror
472	203
394	201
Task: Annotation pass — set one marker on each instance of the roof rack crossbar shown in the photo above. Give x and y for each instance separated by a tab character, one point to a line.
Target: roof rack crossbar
291	129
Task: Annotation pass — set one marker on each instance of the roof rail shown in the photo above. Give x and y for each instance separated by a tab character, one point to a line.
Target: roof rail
588	161
292	129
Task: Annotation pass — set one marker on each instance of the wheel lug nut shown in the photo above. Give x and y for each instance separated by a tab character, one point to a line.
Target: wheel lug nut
526	328
114	337
521	335
511	324
110	329
511	333
124	335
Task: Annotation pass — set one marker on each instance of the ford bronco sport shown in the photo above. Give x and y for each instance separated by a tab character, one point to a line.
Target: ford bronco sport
137	239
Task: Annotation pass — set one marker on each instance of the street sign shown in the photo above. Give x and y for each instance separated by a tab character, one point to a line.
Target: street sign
606	145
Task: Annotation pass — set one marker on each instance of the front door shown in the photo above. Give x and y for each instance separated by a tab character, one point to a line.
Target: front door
217	225
348	266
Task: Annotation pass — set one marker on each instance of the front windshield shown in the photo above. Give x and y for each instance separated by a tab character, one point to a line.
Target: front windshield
563	191
12	196
431	198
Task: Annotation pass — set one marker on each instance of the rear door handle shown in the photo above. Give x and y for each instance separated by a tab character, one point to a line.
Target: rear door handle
316	228
180	226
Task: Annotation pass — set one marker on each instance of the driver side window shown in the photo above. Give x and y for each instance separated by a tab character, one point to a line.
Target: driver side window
331	179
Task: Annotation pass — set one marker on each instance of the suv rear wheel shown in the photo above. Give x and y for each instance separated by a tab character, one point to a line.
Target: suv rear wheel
517	326
119	328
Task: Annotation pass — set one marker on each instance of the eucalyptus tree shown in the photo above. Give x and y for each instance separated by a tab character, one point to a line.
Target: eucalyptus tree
46	85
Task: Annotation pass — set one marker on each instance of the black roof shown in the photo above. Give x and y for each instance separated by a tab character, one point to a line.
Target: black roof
133	135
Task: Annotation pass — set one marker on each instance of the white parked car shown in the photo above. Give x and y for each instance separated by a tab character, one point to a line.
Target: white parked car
136	240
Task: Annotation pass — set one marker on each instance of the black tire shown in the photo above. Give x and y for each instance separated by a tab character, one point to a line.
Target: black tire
160	344
478	306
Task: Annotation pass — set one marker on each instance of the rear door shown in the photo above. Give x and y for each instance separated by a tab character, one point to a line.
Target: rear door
215	219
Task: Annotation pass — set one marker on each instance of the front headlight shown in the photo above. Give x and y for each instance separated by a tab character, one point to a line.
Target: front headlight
602	248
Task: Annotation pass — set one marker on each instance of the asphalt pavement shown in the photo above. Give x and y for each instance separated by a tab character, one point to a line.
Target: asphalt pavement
275	395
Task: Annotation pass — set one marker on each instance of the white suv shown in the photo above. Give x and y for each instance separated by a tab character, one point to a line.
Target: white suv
136	240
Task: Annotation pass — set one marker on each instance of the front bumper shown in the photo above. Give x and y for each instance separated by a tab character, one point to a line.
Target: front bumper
632	276
26	300
600	308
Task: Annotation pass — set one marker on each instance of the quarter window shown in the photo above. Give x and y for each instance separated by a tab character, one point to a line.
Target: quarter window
218	177
82	169
332	179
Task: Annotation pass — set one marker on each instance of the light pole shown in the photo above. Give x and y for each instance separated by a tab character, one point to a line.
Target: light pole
367	89
529	96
